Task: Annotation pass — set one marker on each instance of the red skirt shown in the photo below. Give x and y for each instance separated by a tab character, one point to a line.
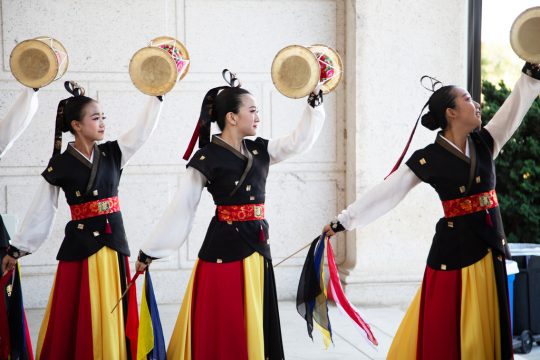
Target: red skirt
229	312
458	314
78	323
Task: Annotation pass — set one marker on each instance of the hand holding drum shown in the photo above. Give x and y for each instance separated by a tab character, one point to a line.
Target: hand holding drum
297	70
157	68
525	35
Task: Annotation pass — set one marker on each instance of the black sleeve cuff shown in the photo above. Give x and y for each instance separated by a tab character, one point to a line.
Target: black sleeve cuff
315	100
15	253
533	70
336	226
145	259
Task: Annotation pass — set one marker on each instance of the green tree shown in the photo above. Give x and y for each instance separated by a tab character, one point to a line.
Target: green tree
518	169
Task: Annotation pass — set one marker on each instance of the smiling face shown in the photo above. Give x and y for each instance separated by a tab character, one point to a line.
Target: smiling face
91	126
466	113
247	119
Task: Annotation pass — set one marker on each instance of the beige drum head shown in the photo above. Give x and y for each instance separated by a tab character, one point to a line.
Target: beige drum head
153	71
180	52
331	67
525	35
295	71
36	63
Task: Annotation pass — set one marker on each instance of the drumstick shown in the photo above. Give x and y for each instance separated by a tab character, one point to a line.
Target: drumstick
296	252
127	288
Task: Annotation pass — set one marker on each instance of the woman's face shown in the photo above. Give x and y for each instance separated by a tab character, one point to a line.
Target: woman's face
467	111
247	118
91	126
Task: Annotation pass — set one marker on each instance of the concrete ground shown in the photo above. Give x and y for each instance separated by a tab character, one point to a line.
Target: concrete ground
348	343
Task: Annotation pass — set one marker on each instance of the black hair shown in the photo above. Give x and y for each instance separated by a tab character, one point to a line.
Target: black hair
217	103
74	111
440	100
227	100
74	105
68	110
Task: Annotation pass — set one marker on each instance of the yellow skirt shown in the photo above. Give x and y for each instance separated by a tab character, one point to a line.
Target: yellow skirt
222	312
78	322
454	315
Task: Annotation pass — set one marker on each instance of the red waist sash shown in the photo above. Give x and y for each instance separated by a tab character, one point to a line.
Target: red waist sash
470	204
246	212
95	208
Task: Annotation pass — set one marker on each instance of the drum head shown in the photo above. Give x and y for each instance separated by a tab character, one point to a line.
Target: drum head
331	67
295	71
153	71
34	63
525	35
167	40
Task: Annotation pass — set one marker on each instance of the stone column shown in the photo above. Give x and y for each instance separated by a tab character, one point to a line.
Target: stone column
390	45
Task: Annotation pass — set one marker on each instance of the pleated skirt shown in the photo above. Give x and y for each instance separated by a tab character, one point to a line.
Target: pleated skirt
78	323
458	314
229	312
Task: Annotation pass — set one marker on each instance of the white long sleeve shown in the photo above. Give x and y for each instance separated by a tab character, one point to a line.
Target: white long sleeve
379	200
38	221
301	139
17	119
511	113
175	225
131	141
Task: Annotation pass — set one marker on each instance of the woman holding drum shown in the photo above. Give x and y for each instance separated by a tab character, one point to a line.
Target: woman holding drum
93	269
34	63
461	310
230	308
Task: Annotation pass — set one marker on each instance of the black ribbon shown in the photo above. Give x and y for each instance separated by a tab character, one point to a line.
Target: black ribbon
433	86
230	78
58	128
207	114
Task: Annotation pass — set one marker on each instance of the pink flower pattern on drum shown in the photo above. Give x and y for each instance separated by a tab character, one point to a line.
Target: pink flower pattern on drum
327	67
176	55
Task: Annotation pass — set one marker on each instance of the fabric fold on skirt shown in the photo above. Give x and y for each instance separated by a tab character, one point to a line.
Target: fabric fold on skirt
458	314
229	311
78	323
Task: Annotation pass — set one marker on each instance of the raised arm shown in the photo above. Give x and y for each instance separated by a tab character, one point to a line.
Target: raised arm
379	200
131	141
17	119
38	221
511	113
301	139
175	225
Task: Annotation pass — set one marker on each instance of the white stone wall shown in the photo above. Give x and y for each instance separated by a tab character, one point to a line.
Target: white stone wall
392	44
242	35
386	47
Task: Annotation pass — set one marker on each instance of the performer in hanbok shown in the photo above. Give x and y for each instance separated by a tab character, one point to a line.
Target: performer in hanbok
11	128
14	335
230	308
461	310
93	268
